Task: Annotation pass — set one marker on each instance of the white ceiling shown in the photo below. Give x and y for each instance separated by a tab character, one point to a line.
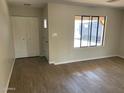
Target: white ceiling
40	3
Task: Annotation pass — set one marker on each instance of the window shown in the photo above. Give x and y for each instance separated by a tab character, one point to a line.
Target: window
89	31
45	23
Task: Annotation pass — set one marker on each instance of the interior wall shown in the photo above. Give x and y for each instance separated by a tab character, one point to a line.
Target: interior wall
25	11
61	23
6	47
122	40
45	40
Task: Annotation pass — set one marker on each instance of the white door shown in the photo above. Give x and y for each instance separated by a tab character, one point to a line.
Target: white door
26	36
33	37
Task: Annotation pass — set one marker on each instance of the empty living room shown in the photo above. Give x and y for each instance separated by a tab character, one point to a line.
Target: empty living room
61	46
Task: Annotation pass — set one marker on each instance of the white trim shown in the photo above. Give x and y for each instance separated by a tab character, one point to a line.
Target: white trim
9	76
51	62
120	56
72	61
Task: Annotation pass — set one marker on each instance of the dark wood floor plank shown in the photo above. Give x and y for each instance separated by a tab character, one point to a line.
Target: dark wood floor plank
35	75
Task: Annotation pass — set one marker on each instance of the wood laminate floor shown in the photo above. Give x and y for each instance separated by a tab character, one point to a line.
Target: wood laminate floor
35	75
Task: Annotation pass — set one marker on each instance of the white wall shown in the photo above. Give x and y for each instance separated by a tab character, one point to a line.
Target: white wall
61	21
25	11
6	47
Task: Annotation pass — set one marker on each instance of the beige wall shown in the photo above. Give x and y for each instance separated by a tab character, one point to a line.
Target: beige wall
6	47
61	21
122	39
25	11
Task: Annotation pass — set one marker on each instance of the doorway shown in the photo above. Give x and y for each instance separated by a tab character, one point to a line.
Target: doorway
26	36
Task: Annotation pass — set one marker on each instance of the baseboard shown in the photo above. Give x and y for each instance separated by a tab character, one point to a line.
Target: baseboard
9	76
72	61
121	56
51	62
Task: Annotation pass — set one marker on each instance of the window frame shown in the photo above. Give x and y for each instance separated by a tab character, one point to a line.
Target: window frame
104	30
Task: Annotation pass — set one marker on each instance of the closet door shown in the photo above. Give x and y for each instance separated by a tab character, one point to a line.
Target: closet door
26	36
19	31
33	37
